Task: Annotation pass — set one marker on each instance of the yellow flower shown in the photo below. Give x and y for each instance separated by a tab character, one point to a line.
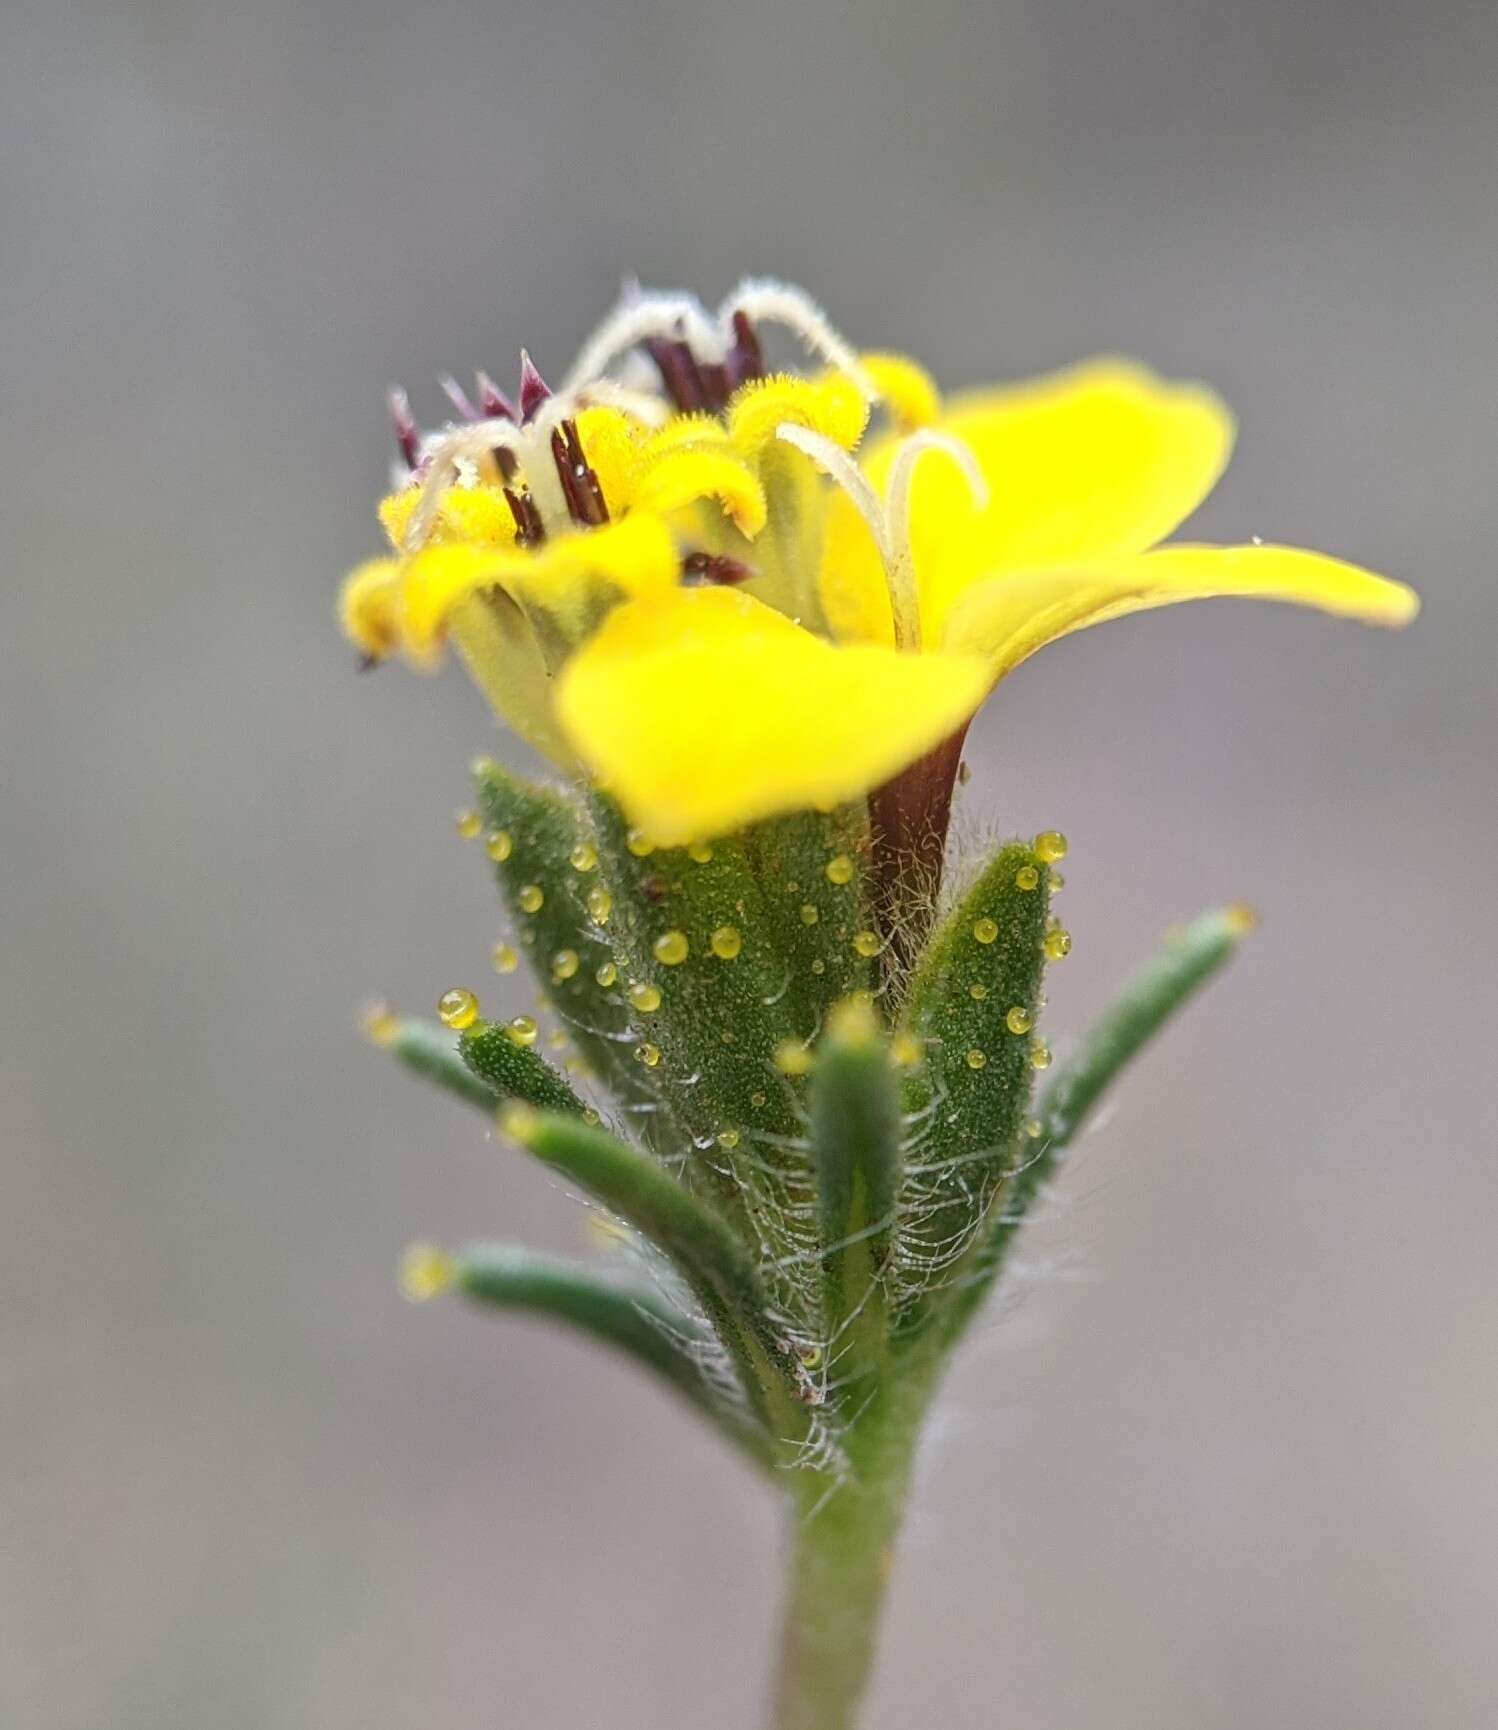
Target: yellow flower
663	586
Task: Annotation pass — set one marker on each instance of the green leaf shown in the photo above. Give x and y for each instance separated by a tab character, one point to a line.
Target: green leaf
513	1070
973	1005
715	1263
629	1318
1155	994
856	1132
431	1052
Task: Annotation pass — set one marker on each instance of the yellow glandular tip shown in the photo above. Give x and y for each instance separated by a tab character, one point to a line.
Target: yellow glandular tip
792	1058
839	869
583	857
458	1008
564	965
426	1272
671	948
606	974
726	942
519	1122
468	824
1057	944
700	853
728	1138
648	1054
852	1021
1040	1055
1240	918
906	1050
1019	1019
985	930
976	1059
382	1026
532	898
505	959
867	943
521	1030
500	845
1027	877
639	844
1050	846
600	904
809	914
645	998
978	992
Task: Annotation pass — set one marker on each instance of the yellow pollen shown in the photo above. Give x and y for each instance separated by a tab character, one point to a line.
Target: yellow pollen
504	958
532	898
1027	877
1057	944
426	1272
1050	846
564	964
468	824
1019	1019
644	997
600	904
500	845
840	869
671	948
726	942
637	843
522	1030
648	1054
792	1058
606	974
584	856
1040	1055
866	943
458	1008
976	1059
985	930
700	853
809	914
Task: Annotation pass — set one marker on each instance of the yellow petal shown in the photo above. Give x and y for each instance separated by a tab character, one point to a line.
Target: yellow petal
691	473
1009	617
831	405
1099	461
368	608
480	514
504	659
906	390
707	710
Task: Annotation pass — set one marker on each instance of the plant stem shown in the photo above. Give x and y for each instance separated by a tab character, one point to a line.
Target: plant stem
846	1525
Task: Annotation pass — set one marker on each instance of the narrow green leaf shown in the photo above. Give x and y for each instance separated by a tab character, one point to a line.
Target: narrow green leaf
855	1146
1155	994
630	1318
431	1052
512	1070
713	1260
973	1005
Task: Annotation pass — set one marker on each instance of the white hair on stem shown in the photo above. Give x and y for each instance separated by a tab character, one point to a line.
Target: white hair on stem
763	300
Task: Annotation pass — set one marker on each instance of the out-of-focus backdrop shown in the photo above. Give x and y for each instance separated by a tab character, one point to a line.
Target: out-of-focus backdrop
1229	1458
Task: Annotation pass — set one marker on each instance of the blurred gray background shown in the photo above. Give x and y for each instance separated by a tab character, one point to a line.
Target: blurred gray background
1230	1458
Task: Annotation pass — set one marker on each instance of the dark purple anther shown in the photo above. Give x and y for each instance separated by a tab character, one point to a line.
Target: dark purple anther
456	395
745	359
678	370
406	435
530	531
534	389
715	568
492	400
585	501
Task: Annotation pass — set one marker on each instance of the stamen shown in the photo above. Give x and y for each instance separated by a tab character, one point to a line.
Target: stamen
407	434
714	568
492	400
745	358
679	373
456	395
763	300
900	563
638	317
459	443
837	463
584	495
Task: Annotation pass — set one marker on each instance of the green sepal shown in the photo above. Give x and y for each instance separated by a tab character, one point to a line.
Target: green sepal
1150	999
515	1071
856	1132
710	1257
431	1052
546	830
628	1317
967	1098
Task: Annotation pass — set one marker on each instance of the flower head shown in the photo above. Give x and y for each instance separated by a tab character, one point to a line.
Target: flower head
718	592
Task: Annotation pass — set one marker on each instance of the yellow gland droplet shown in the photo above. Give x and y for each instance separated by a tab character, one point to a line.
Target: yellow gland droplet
638	845
906	1050
809	914
500	845
840	869
522	1030
986	930
728	1037
426	1272
648	1054
866	943
700	853
1034	1129
556	1040
727	942
564	964
810	1355
1019	1019
583	857
1040	1055
532	898
591	1117
1057	881
1050	846
505	959
468	824
600	904
1027	877
976	1059
757	1099
792	1058
382	1026
728	1138
977	992
644	997
1057	944
1240	918
518	1121
607	974
671	948
458	1008
819	966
